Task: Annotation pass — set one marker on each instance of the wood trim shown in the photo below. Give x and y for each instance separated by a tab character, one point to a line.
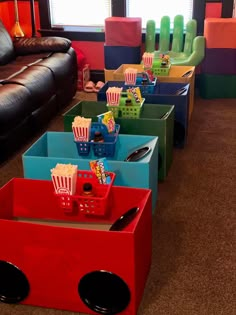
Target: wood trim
118	8
44	14
199	8
227	8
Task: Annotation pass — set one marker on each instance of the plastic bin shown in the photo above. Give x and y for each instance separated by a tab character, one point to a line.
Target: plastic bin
49	259
123	111
101	149
161	71
58	147
145	89
97	205
175	76
164	93
155	119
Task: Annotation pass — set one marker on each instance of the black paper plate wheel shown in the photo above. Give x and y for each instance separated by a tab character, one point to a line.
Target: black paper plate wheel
138	154
14	286
104	292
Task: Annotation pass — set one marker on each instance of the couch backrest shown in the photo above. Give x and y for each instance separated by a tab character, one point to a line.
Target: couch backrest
6	46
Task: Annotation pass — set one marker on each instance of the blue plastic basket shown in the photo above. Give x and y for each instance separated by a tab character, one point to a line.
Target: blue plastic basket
100	149
144	88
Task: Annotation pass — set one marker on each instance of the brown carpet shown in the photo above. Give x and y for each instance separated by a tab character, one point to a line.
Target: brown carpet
194	228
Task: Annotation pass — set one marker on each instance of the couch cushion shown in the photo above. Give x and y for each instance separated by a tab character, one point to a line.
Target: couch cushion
6	46
30	59
34	45
60	65
21	63
9	71
40	83
15	106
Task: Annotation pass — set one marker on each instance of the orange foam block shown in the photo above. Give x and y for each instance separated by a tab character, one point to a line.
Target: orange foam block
123	31
220	32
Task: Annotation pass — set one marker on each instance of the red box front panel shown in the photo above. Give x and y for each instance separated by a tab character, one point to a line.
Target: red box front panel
65	266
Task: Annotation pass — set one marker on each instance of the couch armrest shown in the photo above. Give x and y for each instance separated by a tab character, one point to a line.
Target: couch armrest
35	45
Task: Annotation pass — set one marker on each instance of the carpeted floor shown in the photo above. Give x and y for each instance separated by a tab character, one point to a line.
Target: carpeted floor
194	228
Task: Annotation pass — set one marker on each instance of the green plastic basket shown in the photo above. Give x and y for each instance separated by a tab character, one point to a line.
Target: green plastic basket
161	71
124	111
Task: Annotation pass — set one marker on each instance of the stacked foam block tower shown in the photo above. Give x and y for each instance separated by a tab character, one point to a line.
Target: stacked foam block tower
218	71
123	39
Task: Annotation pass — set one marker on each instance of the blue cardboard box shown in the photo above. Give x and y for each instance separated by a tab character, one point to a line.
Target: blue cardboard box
59	147
155	120
164	93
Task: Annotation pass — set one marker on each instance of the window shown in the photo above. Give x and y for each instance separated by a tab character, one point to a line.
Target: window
149	10
85	14
80	23
155	9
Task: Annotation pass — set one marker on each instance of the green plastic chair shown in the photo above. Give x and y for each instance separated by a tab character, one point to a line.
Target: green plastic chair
188	50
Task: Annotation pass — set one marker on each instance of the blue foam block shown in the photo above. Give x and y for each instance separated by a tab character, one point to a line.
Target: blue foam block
115	56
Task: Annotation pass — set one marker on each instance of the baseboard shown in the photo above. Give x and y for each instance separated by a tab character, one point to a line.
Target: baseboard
97	75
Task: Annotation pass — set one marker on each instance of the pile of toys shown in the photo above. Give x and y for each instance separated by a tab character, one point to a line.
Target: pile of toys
127	103
101	135
88	190
157	66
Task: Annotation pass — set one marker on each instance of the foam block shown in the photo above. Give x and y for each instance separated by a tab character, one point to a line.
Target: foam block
220	32
217	86
123	31
114	56
219	61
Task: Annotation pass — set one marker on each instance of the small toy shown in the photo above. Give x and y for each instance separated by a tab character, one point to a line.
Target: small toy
165	59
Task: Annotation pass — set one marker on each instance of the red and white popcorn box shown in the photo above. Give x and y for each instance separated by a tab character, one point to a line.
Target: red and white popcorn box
130	76
148	60
81	128
81	134
113	95
64	178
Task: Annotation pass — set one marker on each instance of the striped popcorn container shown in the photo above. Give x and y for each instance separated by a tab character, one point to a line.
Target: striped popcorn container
81	128
64	179
113	96
130	76
81	134
147	59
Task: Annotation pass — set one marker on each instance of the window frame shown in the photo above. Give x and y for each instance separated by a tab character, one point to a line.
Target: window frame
119	9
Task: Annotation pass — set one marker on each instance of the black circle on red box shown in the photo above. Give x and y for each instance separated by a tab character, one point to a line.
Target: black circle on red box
104	292
14	286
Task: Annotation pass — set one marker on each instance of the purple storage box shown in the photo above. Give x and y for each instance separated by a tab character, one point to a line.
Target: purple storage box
219	61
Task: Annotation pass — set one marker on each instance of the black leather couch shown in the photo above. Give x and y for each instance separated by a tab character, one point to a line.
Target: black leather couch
38	77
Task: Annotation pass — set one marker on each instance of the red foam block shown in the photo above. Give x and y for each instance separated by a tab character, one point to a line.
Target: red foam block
123	31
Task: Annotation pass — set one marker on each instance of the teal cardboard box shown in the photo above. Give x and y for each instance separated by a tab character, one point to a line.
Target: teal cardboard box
156	120
59	147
